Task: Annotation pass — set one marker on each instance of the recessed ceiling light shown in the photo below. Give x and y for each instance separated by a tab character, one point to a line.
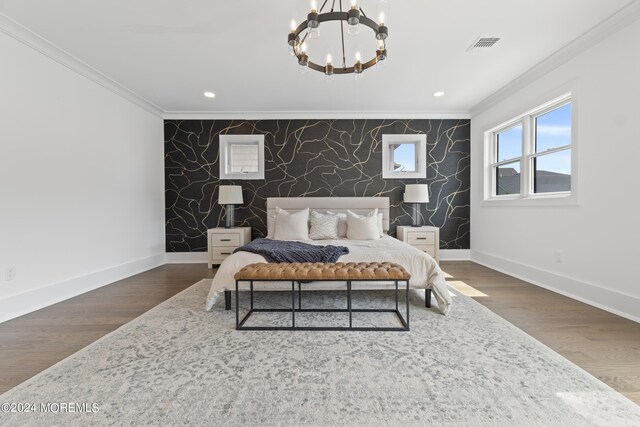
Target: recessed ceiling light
209	94
438	94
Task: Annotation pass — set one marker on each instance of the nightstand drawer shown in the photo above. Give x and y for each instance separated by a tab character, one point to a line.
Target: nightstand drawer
222	252
421	238
231	239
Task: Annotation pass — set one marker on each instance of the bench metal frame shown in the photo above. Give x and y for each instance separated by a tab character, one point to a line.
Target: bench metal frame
240	323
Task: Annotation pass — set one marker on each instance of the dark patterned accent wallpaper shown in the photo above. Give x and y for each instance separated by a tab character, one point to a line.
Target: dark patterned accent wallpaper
312	158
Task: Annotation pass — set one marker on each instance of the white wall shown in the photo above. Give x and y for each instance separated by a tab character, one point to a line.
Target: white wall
599	237
81	183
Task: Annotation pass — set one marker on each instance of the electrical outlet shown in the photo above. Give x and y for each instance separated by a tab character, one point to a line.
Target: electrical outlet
559	256
9	273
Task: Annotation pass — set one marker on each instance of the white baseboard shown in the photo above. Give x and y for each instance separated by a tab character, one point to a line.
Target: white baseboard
627	306
455	254
187	257
35	299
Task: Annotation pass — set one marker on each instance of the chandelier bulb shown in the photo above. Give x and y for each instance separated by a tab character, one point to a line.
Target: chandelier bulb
381	19
328	70
314	6
329	59
293	25
358	57
354	4
353	17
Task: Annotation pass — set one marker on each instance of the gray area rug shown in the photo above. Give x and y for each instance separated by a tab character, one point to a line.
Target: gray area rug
180	365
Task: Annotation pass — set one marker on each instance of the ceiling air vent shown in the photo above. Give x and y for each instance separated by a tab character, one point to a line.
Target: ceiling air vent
483	43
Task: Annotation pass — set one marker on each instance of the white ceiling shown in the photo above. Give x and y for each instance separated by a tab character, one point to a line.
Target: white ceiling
170	51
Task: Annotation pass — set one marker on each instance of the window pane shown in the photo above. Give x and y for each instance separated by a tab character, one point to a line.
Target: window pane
553	129
552	172
509	143
403	157
243	158
508	179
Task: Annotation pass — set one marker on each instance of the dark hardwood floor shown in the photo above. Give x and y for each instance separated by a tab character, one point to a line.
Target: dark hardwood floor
31	343
603	344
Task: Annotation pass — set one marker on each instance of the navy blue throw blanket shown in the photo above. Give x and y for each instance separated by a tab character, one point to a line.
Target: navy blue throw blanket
287	251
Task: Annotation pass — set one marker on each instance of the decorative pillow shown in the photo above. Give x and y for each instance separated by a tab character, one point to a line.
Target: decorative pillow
271	225
291	226
342	223
323	226
361	227
380	227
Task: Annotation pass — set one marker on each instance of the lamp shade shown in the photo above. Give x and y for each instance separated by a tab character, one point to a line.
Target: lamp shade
416	193
230	195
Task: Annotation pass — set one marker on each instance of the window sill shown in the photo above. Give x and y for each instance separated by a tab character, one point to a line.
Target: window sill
532	201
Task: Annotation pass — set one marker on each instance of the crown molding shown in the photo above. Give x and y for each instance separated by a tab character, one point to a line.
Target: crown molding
43	46
313	115
611	25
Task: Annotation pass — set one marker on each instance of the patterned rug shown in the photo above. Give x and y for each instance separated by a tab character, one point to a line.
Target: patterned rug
180	365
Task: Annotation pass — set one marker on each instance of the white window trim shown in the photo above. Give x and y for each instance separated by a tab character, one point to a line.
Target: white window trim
420	141
226	141
527	197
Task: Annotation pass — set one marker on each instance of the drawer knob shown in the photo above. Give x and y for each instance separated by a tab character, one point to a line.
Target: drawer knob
225	240
225	253
422	238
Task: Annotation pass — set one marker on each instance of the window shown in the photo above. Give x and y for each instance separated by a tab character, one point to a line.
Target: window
404	156
241	156
530	157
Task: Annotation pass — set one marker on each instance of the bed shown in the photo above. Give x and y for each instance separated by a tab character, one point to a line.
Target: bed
425	272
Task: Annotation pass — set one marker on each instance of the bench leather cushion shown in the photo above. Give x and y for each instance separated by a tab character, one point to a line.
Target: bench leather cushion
309	271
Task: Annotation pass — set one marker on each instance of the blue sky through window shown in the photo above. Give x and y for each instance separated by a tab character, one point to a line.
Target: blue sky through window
553	130
405	156
510	143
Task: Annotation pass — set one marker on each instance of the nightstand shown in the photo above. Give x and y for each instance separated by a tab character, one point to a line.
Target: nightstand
223	241
425	238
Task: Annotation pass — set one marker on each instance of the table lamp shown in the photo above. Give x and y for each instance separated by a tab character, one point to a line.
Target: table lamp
416	194
230	195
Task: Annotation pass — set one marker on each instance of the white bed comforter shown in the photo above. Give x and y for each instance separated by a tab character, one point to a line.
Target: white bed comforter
425	272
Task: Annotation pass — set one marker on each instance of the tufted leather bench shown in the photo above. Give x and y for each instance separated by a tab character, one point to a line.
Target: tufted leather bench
318	272
322	271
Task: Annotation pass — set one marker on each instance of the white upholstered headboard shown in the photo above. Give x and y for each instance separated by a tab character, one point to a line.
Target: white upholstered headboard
359	205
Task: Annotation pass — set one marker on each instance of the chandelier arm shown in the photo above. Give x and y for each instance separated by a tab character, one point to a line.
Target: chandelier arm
333	5
362	12
347	70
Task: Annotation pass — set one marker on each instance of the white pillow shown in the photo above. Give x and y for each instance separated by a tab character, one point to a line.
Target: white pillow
291	226
360	227
380	227
271	225
342	223
323	226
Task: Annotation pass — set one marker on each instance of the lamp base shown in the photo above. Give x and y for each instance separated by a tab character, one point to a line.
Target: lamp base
230	217
416	215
